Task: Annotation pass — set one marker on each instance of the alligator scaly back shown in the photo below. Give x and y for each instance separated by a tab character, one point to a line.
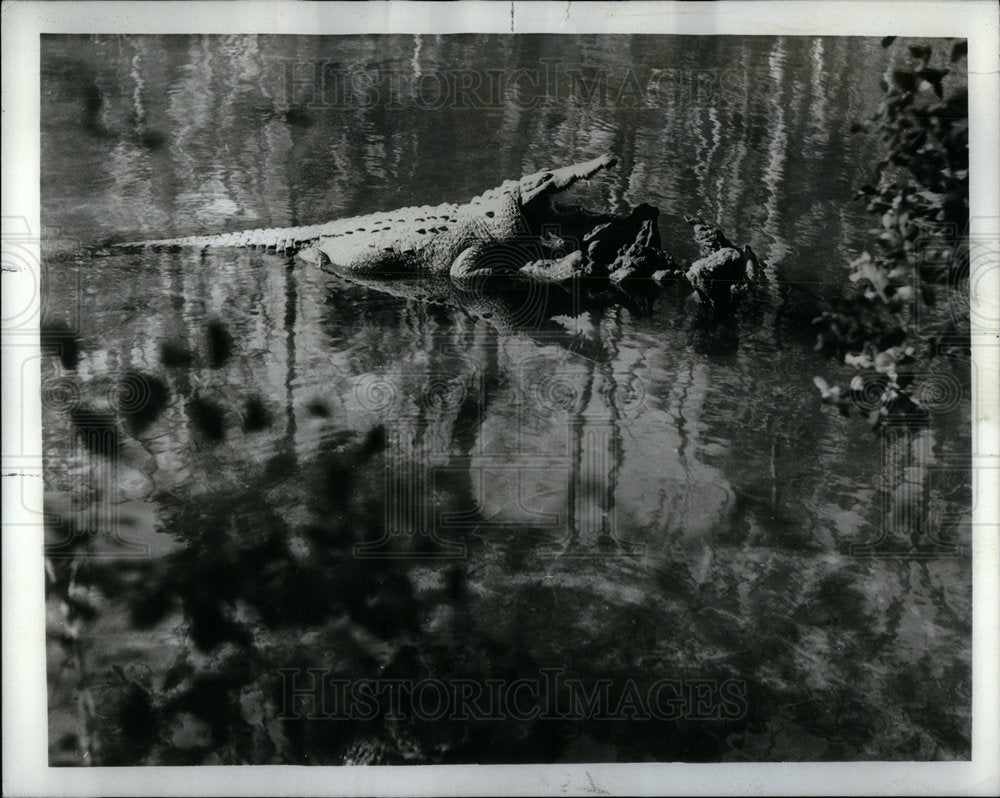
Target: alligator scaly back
284	239
409	240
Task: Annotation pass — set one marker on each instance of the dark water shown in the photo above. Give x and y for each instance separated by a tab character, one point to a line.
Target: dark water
279	469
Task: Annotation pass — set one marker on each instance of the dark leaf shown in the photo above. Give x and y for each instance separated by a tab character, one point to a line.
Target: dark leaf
98	431
59	340
960	50
906	81
318	408
220	344
150	608
921	51
256	416
175	355
178	671
208	417
887	40
136	717
140	398
373	444
934	77
298	117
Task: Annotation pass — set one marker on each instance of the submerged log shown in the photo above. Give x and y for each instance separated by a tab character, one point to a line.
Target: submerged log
724	274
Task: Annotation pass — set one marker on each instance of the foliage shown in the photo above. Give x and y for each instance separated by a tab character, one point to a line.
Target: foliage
919	195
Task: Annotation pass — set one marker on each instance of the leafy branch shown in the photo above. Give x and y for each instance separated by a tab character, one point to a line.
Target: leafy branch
919	196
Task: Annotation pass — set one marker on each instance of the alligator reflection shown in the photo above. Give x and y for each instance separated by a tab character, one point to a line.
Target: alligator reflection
531	424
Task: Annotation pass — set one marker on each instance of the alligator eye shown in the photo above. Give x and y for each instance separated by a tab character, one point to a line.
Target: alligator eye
490	214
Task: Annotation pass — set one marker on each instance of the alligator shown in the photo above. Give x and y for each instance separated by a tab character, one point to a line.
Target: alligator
514	229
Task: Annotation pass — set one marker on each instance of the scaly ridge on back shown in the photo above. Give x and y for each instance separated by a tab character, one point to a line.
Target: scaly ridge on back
413	229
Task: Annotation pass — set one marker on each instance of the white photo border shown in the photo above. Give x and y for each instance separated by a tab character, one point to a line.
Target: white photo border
25	722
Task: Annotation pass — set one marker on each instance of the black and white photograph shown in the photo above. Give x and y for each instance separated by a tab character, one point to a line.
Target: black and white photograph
406	397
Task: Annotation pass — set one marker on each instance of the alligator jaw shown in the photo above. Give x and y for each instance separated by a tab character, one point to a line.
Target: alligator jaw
555	180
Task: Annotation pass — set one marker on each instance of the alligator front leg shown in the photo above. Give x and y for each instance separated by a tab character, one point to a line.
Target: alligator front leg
468	264
486	259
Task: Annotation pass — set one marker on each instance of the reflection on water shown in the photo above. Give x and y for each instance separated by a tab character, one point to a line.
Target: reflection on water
408	480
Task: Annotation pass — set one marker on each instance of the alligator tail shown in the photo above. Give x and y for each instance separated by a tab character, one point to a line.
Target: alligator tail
280	239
